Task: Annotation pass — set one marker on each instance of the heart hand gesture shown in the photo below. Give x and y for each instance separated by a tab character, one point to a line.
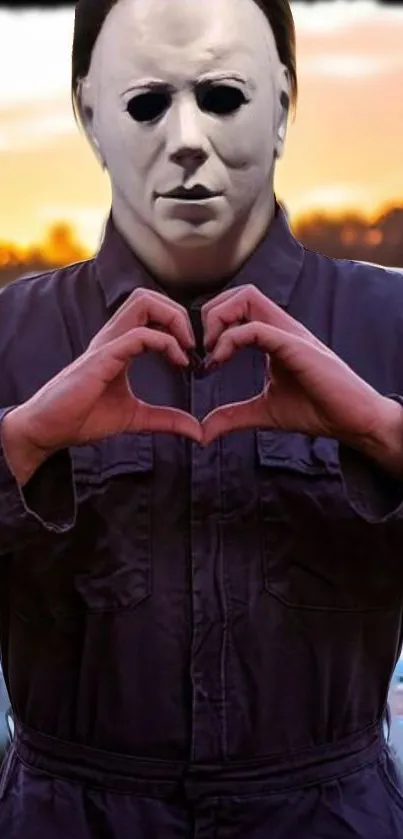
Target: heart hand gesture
308	388
92	398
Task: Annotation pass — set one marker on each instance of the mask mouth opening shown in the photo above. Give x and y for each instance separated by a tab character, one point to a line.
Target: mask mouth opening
194	193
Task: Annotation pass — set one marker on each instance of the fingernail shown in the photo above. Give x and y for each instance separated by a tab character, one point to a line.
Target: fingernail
195	361
210	363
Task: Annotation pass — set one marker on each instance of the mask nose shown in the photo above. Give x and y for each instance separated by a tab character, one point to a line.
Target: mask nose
187	146
189	157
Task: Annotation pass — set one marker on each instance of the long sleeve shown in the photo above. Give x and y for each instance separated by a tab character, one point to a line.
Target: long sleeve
375	494
47	501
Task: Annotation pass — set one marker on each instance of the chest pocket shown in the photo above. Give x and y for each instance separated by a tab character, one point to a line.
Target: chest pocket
316	552
104	563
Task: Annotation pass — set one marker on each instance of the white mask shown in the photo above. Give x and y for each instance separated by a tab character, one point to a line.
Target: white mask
186	95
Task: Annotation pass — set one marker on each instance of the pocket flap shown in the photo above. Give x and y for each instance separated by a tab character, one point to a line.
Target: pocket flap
298	452
118	455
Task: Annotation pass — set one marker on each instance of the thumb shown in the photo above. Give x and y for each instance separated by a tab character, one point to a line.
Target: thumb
251	413
169	420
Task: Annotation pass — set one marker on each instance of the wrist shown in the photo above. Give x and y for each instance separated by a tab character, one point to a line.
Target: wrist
384	443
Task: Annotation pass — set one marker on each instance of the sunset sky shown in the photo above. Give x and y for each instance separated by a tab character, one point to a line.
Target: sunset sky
345	149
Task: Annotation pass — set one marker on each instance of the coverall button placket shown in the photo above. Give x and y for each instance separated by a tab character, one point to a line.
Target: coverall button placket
208	592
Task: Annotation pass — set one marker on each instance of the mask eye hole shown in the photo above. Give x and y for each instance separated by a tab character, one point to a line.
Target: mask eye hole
148	106
220	99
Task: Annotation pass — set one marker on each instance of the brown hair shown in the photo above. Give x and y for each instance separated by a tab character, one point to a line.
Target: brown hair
90	16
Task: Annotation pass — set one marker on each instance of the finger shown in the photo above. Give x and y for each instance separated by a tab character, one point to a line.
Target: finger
115	356
237	416
220	298
231	292
169	420
146	307
246	304
267	338
227	309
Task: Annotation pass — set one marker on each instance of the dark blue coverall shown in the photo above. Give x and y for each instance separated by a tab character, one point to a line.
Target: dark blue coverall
198	642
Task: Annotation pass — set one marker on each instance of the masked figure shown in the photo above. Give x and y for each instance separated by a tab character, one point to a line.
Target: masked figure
201	470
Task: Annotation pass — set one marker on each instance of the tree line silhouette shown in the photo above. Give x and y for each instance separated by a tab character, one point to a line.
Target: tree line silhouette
348	236
351	236
59	247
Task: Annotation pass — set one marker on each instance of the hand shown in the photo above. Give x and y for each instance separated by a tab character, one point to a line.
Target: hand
308	388
91	398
